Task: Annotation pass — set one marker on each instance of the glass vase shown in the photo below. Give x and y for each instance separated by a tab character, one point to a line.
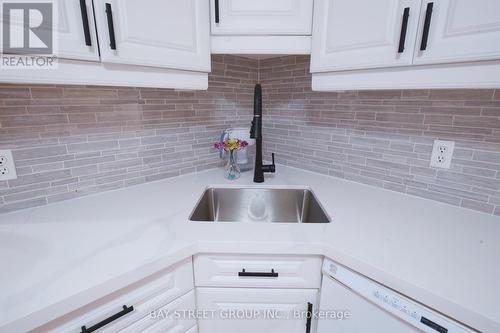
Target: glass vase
232	169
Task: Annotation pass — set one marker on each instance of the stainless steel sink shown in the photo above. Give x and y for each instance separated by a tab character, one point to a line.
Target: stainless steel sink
259	205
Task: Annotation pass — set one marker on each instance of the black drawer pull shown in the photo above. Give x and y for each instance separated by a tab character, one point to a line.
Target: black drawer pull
108	320
427	26
258	274
217	11
404	28
85	20
111	27
309	317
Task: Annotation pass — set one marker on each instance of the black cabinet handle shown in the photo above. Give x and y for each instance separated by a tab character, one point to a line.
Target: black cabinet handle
404	28
85	20
258	274
217	11
108	320
309	317
427	26
111	27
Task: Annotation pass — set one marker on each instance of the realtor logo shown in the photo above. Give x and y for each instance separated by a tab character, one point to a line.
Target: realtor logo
27	28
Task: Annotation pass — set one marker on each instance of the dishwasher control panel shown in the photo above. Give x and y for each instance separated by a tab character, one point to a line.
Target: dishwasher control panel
406	309
414	313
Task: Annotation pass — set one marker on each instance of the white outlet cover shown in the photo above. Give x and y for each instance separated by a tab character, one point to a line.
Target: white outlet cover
7	166
442	154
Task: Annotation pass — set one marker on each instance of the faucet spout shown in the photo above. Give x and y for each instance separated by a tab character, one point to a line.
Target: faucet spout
256	133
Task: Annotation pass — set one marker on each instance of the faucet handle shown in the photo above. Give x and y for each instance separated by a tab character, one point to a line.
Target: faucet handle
252	130
269	167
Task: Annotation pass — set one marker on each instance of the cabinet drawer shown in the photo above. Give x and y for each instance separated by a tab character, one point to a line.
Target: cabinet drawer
255	310
146	295
166	318
218	270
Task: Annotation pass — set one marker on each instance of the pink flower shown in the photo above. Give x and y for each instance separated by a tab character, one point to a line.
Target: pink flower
231	144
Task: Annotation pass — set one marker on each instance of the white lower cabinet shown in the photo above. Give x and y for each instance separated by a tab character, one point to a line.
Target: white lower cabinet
249	310
168	318
273	271
234	293
153	304
256	293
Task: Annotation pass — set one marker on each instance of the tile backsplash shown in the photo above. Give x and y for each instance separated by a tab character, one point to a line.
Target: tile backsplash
71	141
385	138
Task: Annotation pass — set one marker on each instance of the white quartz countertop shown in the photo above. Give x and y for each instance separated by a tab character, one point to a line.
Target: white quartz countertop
56	258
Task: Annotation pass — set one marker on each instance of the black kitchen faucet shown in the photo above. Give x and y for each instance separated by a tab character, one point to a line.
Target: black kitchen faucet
256	133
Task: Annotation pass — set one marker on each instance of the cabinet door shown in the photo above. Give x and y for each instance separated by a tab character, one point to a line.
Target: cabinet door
254	310
261	17
170	318
171	288
172	34
71	34
354	34
75	32
458	30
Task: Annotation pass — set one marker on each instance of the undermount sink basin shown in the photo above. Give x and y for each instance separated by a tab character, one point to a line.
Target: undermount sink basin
298	205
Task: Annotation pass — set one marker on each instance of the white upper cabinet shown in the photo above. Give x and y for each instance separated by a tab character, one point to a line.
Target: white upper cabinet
261	17
394	44
359	34
458	30
75	31
159	33
354	34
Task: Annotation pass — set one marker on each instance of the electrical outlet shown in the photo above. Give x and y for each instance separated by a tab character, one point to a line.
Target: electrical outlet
7	166
442	153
